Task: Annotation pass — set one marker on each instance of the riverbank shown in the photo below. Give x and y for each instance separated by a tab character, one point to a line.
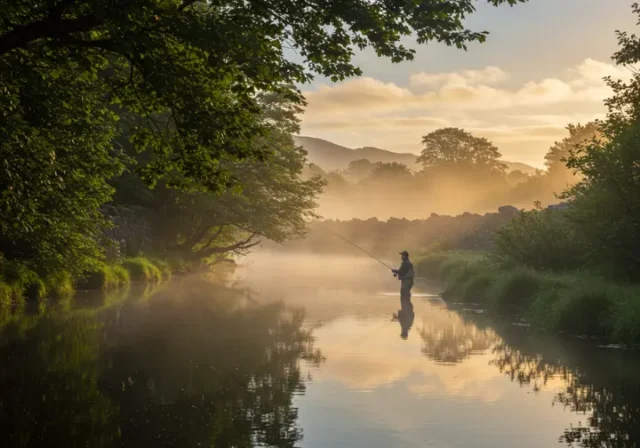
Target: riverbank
577	303
19	284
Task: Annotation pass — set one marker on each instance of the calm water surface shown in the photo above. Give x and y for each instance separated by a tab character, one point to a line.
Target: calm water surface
305	352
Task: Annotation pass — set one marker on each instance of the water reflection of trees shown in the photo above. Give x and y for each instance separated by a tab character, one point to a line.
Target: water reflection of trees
449	339
190	372
599	385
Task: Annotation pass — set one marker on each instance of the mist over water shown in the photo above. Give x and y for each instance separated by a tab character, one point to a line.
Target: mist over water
303	350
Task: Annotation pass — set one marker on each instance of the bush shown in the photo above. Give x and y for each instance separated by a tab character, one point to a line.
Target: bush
6	295
60	285
23	281
584	309
625	317
476	287
103	277
163	266
141	268
514	290
429	266
540	239
121	274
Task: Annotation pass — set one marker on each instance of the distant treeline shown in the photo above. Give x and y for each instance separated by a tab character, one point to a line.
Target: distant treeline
386	238
460	173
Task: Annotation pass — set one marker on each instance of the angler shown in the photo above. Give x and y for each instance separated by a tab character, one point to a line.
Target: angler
406	275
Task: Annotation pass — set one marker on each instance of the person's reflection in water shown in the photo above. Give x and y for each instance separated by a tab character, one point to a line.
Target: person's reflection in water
405	316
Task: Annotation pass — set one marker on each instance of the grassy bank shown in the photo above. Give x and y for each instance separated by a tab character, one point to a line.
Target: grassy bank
577	303
19	284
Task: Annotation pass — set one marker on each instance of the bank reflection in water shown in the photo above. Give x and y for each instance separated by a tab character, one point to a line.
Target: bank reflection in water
601	385
447	338
188	368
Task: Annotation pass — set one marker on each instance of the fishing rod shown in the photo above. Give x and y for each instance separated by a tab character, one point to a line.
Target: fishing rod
372	256
360	248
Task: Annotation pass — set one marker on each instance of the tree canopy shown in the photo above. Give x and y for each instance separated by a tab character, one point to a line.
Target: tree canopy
453	147
181	80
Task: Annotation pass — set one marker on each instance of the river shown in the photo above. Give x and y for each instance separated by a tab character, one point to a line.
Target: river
303	351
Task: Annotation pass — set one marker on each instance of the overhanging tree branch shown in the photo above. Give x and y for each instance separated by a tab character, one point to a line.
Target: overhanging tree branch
50	28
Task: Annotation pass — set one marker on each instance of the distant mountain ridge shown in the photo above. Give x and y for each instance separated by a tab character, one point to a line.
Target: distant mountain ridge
331	157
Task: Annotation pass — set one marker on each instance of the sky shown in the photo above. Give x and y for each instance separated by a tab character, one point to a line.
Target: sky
540	69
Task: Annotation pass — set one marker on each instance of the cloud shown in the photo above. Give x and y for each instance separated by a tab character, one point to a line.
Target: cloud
488	75
367	111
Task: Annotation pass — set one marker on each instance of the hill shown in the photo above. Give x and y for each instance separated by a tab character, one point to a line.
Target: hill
330	156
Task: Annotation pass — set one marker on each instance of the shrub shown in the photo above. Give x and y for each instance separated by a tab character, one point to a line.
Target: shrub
163	266
514	289
540	239
141	268
625	317
6	295
121	274
429	266
103	277
60	285
23	281
584	308
475	287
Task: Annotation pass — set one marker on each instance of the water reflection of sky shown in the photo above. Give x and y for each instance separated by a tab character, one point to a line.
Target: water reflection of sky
377	390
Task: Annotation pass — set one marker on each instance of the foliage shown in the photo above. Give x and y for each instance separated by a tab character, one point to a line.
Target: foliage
606	202
585	309
514	290
60	285
359	169
540	239
80	81
121	273
275	202
103	277
576	303
468	232
579	136
453	147
56	144
141	268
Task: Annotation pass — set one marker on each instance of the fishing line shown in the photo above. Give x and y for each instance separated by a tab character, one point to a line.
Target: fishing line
359	248
369	254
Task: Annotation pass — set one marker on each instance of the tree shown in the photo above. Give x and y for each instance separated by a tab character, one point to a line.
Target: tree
455	148
132	52
558	155
391	171
606	202
516	177
274	203
359	169
187	73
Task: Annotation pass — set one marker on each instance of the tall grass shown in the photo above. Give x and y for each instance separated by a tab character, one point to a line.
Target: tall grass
514	290
103	277
570	303
60	285
141	268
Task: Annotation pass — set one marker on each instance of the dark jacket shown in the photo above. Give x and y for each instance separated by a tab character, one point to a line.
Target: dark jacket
406	270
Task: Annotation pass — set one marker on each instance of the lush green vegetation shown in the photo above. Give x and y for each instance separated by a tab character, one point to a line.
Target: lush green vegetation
599	228
576	303
107	157
19	283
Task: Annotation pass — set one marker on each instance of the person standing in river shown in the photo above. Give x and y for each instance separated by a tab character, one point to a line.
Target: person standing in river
405	274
